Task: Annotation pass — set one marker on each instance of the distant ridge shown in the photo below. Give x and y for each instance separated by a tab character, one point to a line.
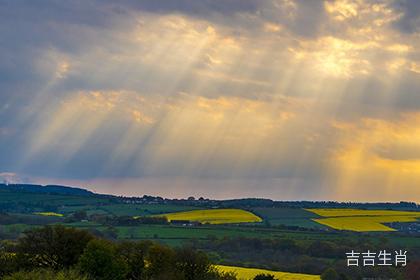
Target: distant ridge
48	189
210	203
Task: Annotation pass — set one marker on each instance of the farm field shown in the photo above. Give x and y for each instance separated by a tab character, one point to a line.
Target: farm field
249	273
179	235
363	220
288	217
215	216
49	214
128	209
360	212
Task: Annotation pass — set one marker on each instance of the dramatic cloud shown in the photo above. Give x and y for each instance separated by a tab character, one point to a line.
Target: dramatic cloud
285	99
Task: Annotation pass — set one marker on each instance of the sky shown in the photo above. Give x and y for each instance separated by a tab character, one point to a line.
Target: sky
281	99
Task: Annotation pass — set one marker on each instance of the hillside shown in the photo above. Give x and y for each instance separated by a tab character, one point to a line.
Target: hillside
48	189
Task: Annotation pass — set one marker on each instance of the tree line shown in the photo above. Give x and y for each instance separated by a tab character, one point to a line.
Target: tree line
58	252
319	257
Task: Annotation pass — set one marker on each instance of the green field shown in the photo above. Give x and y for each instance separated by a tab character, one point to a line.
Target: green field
178	235
128	209
249	273
215	216
288	217
182	234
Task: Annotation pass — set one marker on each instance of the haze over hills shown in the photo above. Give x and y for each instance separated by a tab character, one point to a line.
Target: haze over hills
239	202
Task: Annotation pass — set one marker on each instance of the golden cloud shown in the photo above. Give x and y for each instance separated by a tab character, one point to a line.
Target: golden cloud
376	158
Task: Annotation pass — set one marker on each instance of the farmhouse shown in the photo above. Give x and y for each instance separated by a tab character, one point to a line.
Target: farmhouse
185	223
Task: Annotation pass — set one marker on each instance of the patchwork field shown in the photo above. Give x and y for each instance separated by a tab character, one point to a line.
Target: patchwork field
363	220
215	216
249	273
179	235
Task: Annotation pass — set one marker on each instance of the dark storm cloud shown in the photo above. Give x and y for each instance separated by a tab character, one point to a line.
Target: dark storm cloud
410	20
304	18
195	8
29	27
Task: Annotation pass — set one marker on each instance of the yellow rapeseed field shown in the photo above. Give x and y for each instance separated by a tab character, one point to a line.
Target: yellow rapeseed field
49	214
215	216
249	273
363	220
332	212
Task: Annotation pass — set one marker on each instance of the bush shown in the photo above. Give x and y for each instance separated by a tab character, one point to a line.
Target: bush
161	263
45	274
55	247
133	254
101	261
330	274
193	264
8	263
264	277
45	253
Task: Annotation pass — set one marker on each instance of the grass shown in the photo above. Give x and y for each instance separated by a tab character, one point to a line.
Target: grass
363	220
53	214
288	217
15	228
216	216
129	209
249	273
182	233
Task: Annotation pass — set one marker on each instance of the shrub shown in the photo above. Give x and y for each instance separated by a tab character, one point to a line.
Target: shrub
192	264
264	277
55	247
101	261
330	274
46	274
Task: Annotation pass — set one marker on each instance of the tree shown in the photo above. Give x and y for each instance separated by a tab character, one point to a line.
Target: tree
192	264
413	270
133	253
55	247
80	215
101	261
330	274
264	277
161	263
